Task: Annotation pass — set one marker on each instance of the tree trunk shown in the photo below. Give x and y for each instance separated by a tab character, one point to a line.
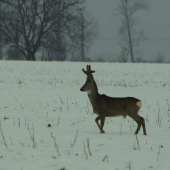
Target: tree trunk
58	53
82	39
130	45
0	42
30	55
0	38
129	36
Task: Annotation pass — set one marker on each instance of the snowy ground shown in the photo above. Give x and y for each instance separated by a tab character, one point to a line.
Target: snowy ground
36	94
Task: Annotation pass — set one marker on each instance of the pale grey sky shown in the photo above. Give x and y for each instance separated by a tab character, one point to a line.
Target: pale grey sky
155	23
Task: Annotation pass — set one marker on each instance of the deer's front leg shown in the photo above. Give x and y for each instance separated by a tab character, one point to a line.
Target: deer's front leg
102	123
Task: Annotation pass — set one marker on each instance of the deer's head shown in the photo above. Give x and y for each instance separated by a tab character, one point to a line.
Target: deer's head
90	81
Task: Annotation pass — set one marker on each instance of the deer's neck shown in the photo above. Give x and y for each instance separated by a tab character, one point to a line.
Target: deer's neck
93	94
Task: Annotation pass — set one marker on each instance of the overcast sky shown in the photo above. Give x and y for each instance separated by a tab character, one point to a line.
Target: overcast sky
155	23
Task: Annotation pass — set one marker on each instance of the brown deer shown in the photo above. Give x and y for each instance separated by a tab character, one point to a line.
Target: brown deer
105	106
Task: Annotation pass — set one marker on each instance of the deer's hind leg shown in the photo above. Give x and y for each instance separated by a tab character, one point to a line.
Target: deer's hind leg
143	125
102	124
140	121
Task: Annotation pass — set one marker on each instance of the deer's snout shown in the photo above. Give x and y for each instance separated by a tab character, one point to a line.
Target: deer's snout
81	89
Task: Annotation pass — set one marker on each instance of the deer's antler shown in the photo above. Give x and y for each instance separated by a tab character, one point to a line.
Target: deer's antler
89	72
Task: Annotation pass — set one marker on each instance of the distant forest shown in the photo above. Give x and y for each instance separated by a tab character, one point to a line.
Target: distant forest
54	30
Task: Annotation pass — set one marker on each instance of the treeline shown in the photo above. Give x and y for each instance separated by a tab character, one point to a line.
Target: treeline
45	30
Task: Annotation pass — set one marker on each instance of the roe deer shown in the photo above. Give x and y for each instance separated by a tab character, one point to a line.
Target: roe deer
105	106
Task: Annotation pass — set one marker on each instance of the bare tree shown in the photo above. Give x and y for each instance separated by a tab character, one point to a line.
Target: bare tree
82	38
160	57
27	24
131	37
13	53
58	42
86	30
0	36
123	56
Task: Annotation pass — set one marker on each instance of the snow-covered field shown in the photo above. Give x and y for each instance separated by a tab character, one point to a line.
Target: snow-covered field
35	95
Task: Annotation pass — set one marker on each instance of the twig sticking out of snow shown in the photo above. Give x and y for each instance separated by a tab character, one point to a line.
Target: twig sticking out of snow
129	165
32	136
120	129
19	124
84	152
72	144
88	146
158	152
25	121
159	119
58	121
3	136
137	142
55	144
21	143
106	157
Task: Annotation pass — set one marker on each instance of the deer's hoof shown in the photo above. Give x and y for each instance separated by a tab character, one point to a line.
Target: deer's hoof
102	131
